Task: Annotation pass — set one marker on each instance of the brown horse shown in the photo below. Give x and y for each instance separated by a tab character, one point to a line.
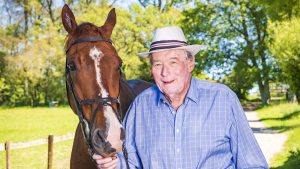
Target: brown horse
95	89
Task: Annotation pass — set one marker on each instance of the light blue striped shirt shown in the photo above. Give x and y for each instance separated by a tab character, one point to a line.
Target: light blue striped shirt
209	130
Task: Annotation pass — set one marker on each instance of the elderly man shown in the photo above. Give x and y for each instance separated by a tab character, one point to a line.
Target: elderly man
183	122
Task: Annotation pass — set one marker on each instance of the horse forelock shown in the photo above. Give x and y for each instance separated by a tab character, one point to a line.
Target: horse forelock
84	29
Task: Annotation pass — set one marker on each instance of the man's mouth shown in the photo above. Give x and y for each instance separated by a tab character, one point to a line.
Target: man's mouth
168	82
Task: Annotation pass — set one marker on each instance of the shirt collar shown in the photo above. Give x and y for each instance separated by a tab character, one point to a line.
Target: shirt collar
191	94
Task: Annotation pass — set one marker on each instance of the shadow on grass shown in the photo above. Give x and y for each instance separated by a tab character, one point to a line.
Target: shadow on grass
286	117
262	130
274	129
293	161
281	129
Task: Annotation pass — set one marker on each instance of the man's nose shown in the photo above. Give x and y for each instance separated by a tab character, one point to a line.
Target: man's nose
165	71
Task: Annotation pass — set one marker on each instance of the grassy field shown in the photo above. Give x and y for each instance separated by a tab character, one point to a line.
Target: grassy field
36	157
26	124
284	118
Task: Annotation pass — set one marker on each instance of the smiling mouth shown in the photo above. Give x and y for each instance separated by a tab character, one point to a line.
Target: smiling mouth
168	82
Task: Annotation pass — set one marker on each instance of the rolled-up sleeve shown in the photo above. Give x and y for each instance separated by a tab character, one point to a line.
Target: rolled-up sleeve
129	123
245	149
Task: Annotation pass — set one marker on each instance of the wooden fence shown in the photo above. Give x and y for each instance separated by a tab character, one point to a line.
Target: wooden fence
8	146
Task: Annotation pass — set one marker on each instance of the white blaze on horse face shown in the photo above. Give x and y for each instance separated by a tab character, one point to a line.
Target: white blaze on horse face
114	130
96	55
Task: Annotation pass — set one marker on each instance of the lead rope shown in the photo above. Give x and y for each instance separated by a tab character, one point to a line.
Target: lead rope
125	153
120	115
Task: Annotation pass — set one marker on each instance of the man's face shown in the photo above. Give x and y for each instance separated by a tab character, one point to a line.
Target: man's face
171	71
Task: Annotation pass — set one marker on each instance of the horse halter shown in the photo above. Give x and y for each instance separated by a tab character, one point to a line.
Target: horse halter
104	101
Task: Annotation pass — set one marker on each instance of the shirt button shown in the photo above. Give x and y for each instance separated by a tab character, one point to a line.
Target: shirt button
177	150
177	130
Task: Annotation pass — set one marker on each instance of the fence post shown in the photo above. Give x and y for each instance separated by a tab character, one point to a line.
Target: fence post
50	151
7	149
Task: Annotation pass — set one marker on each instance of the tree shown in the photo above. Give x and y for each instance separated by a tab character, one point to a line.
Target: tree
132	33
234	30
35	71
285	48
35	74
162	5
47	6
279	10
240	80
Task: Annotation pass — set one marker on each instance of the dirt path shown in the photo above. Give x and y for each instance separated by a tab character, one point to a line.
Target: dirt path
269	141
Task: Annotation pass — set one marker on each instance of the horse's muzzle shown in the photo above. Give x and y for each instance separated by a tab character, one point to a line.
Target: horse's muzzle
101	145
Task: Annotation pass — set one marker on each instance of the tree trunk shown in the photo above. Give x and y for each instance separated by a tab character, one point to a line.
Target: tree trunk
26	16
46	96
298	96
264	90
49	6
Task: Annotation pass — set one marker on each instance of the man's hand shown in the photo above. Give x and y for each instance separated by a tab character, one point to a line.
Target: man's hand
107	162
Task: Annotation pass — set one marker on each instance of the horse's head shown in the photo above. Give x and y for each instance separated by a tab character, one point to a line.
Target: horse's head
93	75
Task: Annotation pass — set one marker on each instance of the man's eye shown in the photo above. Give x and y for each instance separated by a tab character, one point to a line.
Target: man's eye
172	63
157	64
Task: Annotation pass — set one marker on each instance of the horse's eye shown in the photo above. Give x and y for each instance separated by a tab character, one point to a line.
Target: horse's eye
71	66
120	65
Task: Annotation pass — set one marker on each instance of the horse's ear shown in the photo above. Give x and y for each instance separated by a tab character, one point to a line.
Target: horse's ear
110	22
68	19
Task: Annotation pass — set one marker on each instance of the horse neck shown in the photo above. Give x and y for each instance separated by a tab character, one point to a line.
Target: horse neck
126	96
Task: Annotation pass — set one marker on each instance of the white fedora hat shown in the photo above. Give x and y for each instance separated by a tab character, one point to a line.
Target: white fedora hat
168	38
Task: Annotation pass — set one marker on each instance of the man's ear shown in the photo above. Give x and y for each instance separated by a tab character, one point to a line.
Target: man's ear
191	63
68	19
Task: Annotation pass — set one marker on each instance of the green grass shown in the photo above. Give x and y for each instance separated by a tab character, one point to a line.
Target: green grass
36	157
25	123
284	118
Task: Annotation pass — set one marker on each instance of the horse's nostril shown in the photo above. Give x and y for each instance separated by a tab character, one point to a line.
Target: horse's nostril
100	144
98	136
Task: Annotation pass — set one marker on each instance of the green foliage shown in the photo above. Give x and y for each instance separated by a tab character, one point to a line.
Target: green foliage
163	5
281	10
285	48
132	34
240	80
235	32
35	75
35	59
284	118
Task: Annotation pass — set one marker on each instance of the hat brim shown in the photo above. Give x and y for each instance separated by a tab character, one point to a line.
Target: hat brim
193	49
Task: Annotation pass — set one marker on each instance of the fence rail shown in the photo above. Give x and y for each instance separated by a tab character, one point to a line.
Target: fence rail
8	146
26	144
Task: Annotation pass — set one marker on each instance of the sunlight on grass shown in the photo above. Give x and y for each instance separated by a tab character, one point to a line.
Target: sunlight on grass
284	118
26	124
